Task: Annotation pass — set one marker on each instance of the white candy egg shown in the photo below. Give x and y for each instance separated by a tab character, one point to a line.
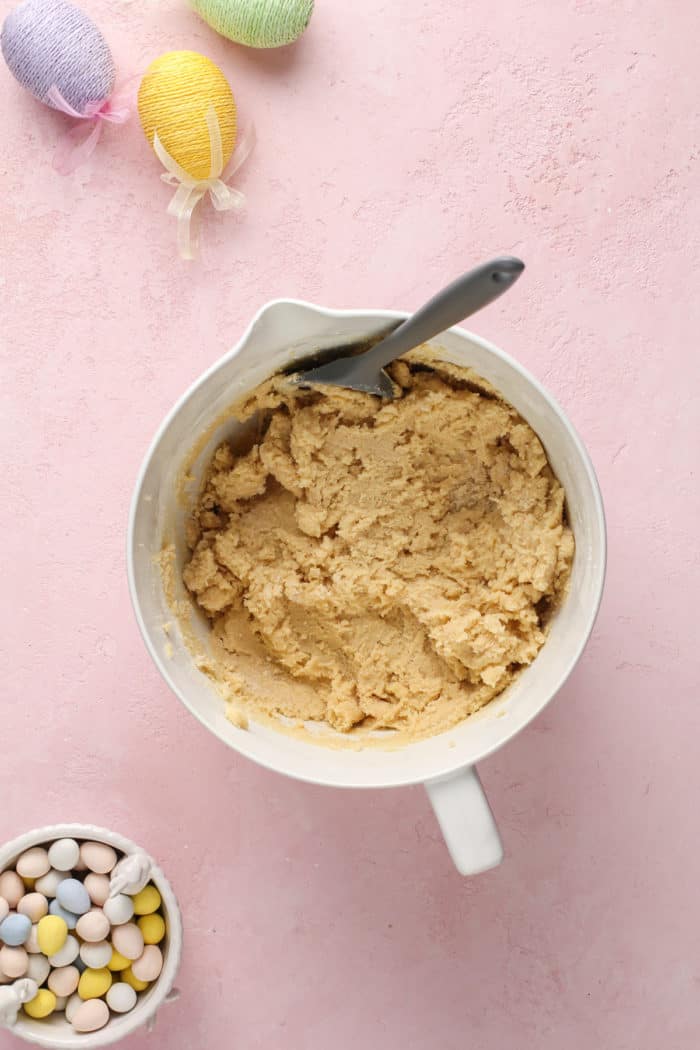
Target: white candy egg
63	854
121	998
38	968
119	909
67	954
48	883
74	1001
96	955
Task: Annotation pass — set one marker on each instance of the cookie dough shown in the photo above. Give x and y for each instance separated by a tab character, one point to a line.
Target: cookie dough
378	565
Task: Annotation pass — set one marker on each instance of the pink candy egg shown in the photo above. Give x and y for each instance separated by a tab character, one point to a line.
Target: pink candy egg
128	940
4	908
90	1016
97	887
13	961
33	863
11	888
149	965
64	981
34	905
93	926
98	857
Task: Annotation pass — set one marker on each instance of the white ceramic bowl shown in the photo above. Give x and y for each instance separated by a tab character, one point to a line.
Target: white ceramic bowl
55	1031
280	333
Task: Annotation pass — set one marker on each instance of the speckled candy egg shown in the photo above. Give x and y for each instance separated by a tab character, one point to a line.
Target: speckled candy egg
90	1016
174	96
52	42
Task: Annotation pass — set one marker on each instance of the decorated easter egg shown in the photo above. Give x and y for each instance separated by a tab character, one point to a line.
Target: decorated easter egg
15	929
33	905
43	1004
175	94
38	968
152	927
94	983
52	43
93	926
257	23
11	888
90	1016
97	887
121	998
98	857
67	954
63	854
119	909
52	934
68	917
73	897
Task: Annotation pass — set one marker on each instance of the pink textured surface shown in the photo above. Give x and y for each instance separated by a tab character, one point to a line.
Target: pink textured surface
396	147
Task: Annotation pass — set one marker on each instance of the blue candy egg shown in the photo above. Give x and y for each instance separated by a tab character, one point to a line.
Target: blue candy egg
14	929
68	917
73	896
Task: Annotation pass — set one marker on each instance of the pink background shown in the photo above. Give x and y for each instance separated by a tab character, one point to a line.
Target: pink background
399	143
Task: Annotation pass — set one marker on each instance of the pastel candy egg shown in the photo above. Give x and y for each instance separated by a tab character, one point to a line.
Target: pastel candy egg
34	905
93	926
43	1004
32	942
33	863
60	1006
15	929
152	927
98	857
4	908
148	966
63	854
119	909
96	955
73	896
38	968
64	980
72	1006
174	96
118	962
94	983
47	42
13	961
138	986
11	888
121	998
49	883
90	1016
147	901
52	934
68	953
128	940
97	887
257	23
68	917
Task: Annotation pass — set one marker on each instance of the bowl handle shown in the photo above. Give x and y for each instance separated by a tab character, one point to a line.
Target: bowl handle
466	821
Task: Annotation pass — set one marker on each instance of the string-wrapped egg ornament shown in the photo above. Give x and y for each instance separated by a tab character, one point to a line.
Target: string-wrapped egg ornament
58	54
188	114
257	23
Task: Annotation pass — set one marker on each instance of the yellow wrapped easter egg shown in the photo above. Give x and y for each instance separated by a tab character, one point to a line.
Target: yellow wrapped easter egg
175	95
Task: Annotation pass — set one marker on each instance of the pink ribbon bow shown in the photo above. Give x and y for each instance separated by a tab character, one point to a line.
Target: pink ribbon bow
75	147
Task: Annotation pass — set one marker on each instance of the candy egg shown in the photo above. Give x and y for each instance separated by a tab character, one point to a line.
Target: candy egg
38	968
118	962
68	917
147	901
34	905
94	983
63	854
49	883
33	863
97	887
13	961
119	909
72	1006
68	953
96	955
15	929
73	896
32	942
60	1006
148	966
152	927
43	1004
138	986
121	998
98	857
174	96
51	42
4	908
90	1016
93	926
128	940
11	888
64	981
52	934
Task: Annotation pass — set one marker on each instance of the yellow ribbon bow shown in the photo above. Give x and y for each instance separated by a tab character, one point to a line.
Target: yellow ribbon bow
190	191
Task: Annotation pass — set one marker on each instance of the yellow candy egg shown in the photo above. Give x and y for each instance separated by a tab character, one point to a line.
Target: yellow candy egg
43	1004
94	983
174	96
51	934
147	901
153	928
138	986
118	962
